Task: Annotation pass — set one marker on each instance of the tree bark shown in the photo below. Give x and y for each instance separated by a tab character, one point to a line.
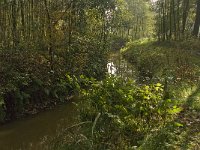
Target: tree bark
14	24
197	20
185	14
50	49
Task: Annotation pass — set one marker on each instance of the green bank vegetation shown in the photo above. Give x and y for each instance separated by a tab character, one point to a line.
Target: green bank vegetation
42	41
51	50
157	110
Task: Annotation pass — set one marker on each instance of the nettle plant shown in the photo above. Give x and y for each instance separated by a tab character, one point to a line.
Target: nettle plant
124	108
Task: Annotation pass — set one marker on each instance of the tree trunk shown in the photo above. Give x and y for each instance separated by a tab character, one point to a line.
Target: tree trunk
185	14
14	23
50	49
197	20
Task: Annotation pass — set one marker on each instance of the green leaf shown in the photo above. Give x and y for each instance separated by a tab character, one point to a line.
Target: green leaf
158	85
178	124
175	110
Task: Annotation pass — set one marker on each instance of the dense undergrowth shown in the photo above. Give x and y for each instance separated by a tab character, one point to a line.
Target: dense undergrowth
176	65
157	110
159	61
117	114
30	84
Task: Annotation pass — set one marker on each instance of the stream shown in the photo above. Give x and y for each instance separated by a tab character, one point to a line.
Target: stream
28	133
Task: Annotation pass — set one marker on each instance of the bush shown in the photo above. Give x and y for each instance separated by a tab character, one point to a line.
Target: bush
28	84
86	56
123	113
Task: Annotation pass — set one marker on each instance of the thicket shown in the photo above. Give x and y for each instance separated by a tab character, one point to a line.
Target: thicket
158	109
28	85
42	41
175	64
141	113
117	114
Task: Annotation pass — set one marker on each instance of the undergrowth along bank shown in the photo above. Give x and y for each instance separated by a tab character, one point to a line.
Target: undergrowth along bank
158	110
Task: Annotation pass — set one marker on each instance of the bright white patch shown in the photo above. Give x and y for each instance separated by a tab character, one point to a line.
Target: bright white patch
111	68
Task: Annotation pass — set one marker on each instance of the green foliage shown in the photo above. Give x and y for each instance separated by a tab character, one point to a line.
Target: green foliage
117	114
158	62
28	85
73	37
175	135
127	112
87	55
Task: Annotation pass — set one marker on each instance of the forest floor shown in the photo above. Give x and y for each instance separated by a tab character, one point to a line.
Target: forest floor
183	133
191	118
189	134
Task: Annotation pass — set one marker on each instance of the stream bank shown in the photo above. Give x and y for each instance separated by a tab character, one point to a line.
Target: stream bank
30	132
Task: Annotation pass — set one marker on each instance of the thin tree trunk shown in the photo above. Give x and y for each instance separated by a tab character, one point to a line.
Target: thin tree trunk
50	49
197	20
14	23
185	15
174	20
22	20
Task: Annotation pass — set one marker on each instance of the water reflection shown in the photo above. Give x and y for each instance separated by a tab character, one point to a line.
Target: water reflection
27	134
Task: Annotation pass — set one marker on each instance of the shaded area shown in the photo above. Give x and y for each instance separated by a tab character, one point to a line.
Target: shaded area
194	99
29	133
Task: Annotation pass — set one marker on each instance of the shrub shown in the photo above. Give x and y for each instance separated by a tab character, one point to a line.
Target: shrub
28	83
123	113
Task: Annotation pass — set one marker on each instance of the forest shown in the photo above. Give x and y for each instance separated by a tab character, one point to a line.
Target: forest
129	69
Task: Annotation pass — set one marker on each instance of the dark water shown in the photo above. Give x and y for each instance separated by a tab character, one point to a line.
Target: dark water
29	133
